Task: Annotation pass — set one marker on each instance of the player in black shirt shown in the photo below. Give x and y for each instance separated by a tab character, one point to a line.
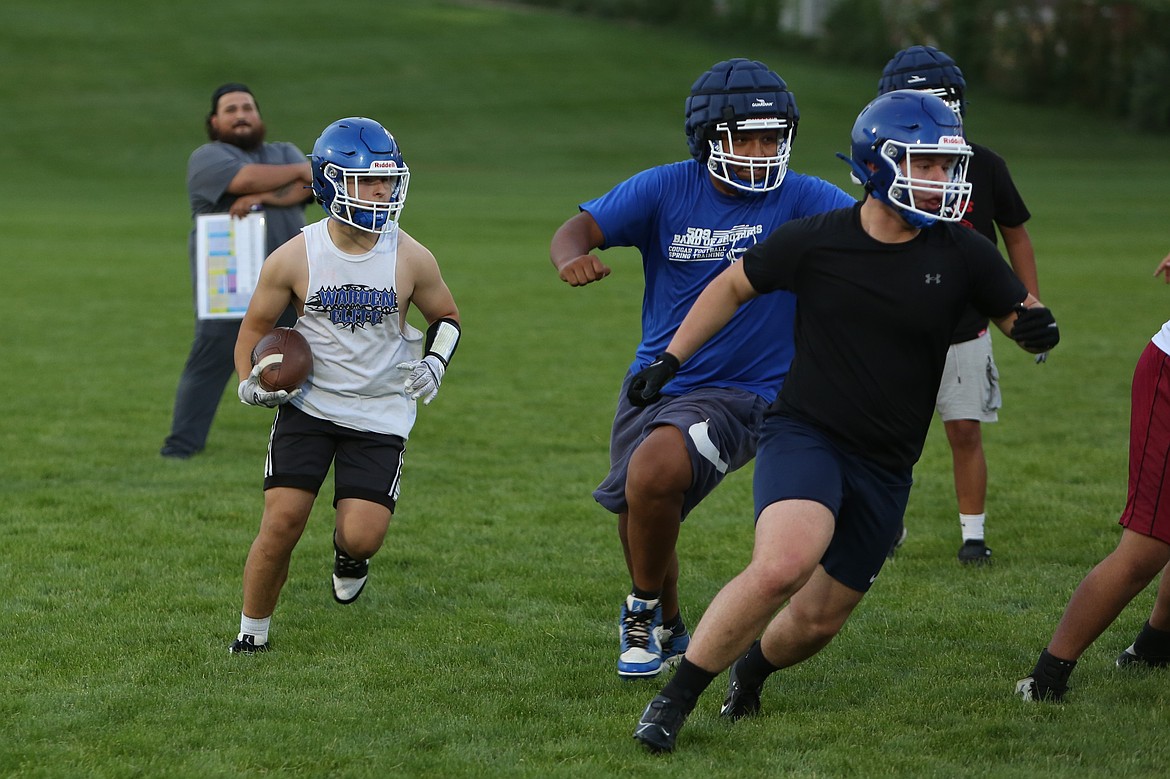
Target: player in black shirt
880	288
969	393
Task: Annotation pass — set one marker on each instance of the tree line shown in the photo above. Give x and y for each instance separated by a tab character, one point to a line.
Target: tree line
1106	55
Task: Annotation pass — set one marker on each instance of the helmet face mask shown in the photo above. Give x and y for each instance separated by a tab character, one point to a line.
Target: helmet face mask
926	69
917	196
351	158
898	138
732	98
750	174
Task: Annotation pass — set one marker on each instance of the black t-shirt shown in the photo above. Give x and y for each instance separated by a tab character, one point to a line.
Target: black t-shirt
994	200
874	322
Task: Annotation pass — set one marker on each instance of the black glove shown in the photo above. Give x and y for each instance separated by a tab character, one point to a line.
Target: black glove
647	384
1035	329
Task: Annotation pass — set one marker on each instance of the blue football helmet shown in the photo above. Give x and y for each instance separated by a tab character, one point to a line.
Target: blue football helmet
356	150
741	95
889	133
926	69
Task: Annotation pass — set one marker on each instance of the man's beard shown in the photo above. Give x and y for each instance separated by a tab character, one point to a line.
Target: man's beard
248	140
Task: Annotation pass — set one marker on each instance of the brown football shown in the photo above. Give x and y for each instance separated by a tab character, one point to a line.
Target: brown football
286	357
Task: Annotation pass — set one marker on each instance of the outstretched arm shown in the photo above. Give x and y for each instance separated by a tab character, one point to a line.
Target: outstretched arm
570	251
713	309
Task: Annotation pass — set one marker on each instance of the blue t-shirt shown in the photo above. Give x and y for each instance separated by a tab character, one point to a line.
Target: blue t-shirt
688	232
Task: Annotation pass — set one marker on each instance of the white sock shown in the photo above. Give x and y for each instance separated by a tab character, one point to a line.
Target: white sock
257	628
972	526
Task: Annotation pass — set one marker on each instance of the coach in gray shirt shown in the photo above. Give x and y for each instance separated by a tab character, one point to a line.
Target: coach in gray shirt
236	173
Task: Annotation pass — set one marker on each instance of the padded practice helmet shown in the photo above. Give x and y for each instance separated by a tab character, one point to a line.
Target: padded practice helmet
741	95
888	133
928	69
348	152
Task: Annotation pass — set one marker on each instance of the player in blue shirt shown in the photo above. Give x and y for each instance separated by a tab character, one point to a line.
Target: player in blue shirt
690	220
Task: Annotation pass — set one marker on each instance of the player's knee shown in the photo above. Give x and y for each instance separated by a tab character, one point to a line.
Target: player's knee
778	578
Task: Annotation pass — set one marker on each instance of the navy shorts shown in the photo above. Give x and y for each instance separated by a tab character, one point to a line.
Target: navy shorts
367	466
720	426
797	461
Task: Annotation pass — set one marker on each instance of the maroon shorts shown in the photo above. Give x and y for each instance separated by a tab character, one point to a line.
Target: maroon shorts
1147	507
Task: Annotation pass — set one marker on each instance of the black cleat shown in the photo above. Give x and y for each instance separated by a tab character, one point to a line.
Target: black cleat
349	575
660	723
974	552
741	701
246	645
1030	691
1131	658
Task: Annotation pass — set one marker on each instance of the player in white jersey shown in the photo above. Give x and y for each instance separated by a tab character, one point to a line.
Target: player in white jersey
352	277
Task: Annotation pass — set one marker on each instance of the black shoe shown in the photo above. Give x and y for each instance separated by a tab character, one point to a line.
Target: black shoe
741	701
349	575
897	544
974	552
660	723
174	453
247	645
1130	657
1029	690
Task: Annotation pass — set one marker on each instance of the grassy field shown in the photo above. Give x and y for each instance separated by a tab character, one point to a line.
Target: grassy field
485	643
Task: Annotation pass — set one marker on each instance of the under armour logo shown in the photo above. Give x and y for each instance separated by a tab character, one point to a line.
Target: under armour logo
934	278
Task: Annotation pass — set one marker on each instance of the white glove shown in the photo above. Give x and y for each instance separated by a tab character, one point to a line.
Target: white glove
425	377
1042	358
252	394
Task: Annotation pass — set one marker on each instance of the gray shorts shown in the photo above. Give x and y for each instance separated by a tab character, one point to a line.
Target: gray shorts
721	428
970	382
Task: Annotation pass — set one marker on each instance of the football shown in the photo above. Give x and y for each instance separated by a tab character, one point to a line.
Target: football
286	359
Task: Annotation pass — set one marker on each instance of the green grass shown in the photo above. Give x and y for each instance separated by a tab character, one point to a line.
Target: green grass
485	643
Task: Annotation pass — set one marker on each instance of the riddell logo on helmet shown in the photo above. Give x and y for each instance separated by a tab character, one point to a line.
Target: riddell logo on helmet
383	165
948	140
762	103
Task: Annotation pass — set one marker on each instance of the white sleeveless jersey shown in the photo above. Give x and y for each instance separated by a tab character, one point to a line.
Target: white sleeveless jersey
351	321
1161	338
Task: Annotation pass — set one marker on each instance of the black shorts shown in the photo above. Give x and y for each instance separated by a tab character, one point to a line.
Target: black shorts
367	466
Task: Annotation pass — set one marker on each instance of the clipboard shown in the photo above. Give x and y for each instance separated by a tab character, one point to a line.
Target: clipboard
228	254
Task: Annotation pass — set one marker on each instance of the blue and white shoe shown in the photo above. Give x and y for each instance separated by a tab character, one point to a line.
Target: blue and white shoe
674	646
638	628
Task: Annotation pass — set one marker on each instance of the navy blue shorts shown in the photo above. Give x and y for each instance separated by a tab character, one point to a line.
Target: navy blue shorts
720	426
797	461
367	466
